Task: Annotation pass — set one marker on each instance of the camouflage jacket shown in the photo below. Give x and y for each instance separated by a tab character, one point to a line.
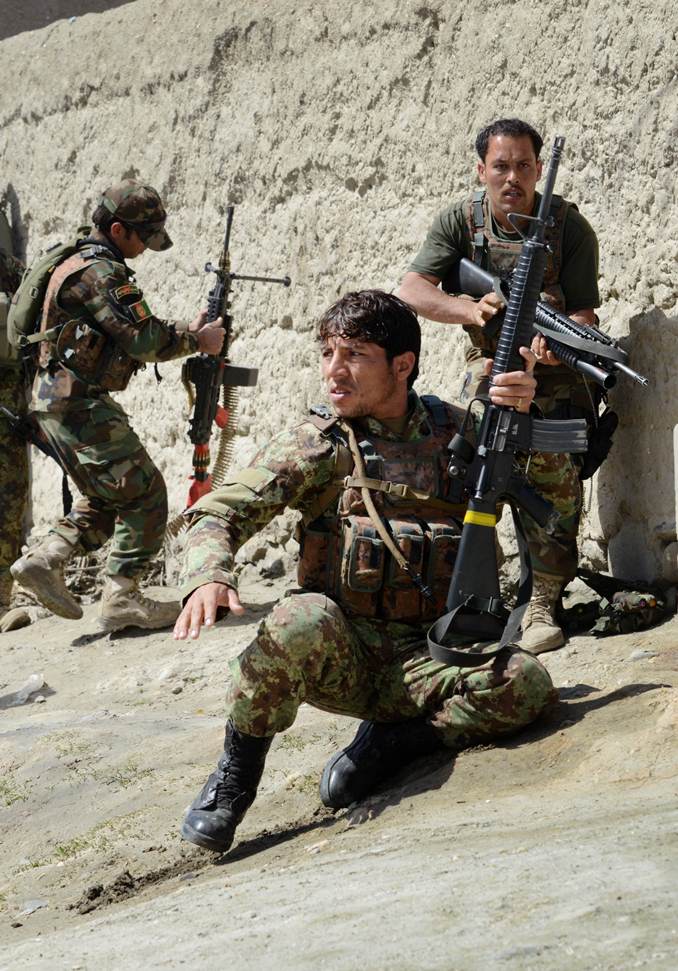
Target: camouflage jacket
104	293
291	472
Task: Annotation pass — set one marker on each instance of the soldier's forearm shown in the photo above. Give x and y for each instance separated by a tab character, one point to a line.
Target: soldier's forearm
427	299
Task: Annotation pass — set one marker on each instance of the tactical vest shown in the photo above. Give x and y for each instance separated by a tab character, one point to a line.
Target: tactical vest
72	341
342	553
558	386
499	256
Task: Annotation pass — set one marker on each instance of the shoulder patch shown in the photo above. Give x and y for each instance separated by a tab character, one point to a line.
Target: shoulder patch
129	293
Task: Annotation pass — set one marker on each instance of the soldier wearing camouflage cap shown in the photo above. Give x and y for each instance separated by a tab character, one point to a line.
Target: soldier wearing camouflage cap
98	331
353	639
479	228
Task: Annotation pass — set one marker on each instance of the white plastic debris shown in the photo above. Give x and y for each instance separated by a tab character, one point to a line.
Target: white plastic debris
33	684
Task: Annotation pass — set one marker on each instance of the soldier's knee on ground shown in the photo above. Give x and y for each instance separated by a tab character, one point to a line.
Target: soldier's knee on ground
533	689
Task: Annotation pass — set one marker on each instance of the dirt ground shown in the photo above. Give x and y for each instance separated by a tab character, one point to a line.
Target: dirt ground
554	850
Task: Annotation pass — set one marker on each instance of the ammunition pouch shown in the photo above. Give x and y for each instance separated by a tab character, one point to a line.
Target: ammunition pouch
354	567
93	357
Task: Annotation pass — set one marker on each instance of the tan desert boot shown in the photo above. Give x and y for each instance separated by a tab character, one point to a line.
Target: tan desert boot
540	630
123	605
41	572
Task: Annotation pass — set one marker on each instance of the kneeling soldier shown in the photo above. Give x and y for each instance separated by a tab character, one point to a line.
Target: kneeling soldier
353	639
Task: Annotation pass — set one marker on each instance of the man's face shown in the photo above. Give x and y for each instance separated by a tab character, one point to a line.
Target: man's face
510	172
127	240
361	381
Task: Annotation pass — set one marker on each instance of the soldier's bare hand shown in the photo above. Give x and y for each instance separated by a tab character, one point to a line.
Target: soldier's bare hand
542	353
200	609
515	389
210	335
487	308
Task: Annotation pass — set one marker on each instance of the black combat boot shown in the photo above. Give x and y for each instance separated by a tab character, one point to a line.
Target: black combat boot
378	750
228	793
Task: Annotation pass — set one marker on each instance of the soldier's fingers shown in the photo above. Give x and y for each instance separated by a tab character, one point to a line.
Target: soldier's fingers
182	623
530	359
234	604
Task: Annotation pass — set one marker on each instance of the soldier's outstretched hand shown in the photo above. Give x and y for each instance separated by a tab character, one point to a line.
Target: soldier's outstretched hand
210	335
201	607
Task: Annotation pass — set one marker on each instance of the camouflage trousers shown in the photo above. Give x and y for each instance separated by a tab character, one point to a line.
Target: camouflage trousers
308	650
13	478
123	493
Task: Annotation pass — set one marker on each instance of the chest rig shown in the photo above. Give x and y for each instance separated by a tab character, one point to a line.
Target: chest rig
73	341
382	540
500	256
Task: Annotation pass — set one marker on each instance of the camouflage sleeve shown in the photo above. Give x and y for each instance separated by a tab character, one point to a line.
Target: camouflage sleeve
288	473
119	308
11	271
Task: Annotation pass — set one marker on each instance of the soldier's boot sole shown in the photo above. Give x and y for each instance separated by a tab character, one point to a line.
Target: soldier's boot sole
211	830
540	638
47	585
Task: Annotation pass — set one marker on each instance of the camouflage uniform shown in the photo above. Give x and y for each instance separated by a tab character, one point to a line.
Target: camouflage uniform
311	648
570	284
106	332
13	452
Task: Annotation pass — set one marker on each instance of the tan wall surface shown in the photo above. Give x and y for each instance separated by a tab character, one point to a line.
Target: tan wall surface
338	131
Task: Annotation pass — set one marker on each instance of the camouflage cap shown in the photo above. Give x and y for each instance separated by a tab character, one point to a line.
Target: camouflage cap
138	206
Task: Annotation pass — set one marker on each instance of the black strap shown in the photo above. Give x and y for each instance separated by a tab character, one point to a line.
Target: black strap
486	625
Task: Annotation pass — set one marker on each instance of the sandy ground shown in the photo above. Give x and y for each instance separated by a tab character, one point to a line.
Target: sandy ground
554	850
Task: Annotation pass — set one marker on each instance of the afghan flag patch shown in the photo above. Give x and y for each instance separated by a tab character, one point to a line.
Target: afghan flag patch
140	311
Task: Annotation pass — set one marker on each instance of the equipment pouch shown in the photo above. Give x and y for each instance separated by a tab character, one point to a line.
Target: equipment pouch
363	560
401	599
8	353
442	540
93	357
600	443
316	559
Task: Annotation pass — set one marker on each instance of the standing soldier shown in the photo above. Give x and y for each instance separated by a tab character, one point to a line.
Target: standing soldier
479	228
98	331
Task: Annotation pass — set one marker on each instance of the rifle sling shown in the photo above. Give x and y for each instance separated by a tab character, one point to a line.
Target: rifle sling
372	512
488	621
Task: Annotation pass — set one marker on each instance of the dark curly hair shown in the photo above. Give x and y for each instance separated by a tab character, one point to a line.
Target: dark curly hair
513	127
376	317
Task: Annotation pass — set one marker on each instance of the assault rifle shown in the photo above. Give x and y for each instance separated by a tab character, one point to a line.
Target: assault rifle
491	474
213	376
582	347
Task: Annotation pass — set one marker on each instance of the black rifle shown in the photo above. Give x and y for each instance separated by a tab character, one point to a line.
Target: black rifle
582	347
492	475
209	374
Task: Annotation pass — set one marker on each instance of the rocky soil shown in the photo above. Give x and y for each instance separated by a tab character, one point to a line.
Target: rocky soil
554	850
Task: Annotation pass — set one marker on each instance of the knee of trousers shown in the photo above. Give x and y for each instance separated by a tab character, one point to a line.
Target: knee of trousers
299	626
531	684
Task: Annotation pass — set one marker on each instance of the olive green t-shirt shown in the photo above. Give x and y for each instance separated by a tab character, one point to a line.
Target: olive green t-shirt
448	240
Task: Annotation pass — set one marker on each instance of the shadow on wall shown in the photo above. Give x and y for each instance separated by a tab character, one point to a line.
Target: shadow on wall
21	15
9	203
636	486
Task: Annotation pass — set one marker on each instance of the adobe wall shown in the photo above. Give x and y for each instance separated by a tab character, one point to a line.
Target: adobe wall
338	131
